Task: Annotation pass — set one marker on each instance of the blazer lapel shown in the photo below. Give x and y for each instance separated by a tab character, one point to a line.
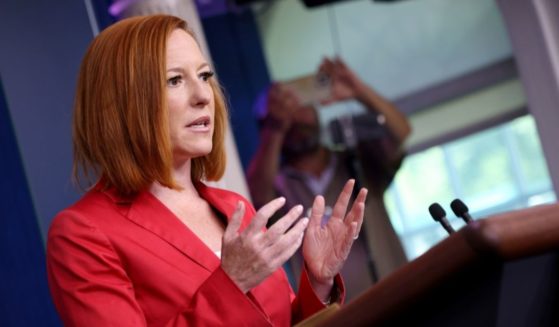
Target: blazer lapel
225	202
216	200
147	211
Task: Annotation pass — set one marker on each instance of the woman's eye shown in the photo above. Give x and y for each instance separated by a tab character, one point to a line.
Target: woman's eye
174	81
207	75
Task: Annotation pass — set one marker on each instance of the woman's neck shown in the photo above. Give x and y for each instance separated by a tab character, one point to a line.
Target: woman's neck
181	175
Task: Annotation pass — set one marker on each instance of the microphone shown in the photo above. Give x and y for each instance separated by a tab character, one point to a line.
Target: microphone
461	210
438	213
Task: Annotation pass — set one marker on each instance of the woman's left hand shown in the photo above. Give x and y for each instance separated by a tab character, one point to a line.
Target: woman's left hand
325	248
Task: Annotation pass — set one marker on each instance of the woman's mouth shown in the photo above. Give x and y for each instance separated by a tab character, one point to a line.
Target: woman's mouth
201	124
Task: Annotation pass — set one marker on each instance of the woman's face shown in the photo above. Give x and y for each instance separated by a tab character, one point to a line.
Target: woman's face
190	97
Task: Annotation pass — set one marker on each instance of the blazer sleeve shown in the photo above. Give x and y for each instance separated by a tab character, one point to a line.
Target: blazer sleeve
307	303
90	286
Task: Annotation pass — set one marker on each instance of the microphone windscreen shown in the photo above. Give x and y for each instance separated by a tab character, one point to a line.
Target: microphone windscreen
458	207
436	211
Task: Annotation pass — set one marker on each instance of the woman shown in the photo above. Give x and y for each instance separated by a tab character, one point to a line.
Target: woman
150	244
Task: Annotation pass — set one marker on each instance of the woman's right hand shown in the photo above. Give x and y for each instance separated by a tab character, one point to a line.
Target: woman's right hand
251	255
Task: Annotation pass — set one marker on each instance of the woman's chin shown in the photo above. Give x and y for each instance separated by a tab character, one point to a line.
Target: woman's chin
193	153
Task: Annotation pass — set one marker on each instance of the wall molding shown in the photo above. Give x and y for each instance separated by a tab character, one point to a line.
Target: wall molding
455	88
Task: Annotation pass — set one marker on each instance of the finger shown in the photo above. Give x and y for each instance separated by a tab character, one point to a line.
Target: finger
283	224
289	242
295	232
327	65
278	92
288	252
288	93
235	222
322	65
343	199
291	102
261	217
349	239
339	62
317	211
287	97
360	200
356	217
334	66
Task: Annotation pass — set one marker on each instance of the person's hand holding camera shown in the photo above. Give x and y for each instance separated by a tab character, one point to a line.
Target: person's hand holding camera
344	83
281	103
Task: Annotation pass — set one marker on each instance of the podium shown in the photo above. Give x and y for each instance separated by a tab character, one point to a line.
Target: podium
498	271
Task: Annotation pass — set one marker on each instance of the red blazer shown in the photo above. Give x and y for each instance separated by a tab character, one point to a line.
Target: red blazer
116	261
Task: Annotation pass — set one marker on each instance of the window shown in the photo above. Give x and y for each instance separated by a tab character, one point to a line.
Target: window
496	170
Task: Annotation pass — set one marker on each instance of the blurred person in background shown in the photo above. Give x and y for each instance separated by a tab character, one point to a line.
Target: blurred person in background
292	162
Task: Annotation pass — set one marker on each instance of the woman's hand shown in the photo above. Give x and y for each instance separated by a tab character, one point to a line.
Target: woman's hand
325	248
251	255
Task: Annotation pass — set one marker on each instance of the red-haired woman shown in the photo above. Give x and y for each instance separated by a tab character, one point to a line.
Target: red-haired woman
150	244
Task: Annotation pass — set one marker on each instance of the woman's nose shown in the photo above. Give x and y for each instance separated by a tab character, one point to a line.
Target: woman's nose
201	94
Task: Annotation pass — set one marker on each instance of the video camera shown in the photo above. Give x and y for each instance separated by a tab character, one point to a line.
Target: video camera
347	131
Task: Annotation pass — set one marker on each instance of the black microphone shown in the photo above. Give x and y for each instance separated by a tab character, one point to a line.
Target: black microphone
438	213
461	210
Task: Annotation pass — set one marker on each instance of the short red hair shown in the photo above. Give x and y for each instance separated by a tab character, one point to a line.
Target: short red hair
120	125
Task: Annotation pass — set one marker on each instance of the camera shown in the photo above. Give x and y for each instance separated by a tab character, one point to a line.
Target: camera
310	89
347	131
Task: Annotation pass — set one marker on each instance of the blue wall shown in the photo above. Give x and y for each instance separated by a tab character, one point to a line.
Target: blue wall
237	54
24	292
41	45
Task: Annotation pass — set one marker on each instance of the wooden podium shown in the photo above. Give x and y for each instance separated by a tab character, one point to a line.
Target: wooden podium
498	271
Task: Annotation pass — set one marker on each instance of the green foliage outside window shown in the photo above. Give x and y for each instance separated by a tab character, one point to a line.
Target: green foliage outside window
496	170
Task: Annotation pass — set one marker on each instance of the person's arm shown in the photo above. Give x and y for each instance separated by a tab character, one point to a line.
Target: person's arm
347	85
90	286
396	122
264	166
382	157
